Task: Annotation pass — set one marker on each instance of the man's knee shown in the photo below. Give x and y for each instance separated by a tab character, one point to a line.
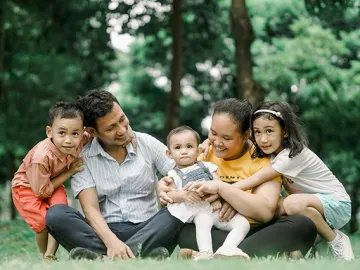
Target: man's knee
55	215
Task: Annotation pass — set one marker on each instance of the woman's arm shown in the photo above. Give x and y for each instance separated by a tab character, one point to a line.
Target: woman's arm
259	205
265	174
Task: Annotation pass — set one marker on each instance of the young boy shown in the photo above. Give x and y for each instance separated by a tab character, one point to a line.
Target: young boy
38	183
189	207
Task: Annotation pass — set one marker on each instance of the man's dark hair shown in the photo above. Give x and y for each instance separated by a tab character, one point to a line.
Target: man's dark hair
179	130
65	110
96	104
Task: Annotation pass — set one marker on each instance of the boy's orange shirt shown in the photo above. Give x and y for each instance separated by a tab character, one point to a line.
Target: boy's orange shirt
42	163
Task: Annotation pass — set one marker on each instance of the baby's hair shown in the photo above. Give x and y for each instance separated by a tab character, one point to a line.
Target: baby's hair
238	110
63	109
288	121
96	104
179	130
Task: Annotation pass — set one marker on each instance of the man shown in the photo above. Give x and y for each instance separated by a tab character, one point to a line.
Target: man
116	190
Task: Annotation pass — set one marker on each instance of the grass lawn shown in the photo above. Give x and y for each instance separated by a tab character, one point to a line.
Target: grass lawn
19	251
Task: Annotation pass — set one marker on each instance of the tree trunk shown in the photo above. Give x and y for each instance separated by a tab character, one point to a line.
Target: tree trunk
354	209
12	169
246	86
2	47
173	107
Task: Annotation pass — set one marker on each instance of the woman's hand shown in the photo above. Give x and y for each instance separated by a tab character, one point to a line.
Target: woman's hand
203	187
204	148
227	212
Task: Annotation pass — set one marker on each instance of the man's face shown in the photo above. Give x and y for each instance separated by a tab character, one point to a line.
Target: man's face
112	128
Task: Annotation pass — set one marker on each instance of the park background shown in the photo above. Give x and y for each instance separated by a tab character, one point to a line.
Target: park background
167	62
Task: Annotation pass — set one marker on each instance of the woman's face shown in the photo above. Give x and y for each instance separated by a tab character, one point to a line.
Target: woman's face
226	138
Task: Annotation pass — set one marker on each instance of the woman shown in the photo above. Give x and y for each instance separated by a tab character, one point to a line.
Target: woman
231	151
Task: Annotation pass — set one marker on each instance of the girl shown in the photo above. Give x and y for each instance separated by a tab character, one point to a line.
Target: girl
313	190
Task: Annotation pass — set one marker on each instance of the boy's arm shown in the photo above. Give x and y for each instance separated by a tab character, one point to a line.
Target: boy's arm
40	182
265	174
75	167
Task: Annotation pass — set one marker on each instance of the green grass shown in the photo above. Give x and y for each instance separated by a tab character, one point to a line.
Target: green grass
19	251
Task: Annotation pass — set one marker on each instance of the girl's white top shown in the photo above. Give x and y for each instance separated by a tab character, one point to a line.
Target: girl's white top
186	211
307	173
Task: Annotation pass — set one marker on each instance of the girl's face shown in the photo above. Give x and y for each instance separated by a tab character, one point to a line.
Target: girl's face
268	135
226	138
183	148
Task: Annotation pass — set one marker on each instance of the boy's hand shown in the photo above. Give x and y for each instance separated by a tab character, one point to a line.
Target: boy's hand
75	166
216	205
130	138
192	197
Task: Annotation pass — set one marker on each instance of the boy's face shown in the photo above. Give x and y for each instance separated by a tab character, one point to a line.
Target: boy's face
66	134
183	148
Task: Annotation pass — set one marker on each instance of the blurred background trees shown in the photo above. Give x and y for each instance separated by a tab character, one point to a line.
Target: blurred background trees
184	56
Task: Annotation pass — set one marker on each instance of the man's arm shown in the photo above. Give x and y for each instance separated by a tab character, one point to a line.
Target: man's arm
90	205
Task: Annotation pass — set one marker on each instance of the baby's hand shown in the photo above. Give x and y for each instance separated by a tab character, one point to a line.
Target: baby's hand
192	197
216	205
75	166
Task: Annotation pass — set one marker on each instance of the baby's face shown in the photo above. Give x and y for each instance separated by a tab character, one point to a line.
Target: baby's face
66	134
183	148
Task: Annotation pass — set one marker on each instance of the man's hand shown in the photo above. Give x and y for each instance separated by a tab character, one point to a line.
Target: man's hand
227	212
216	205
192	197
165	185
118	249
75	166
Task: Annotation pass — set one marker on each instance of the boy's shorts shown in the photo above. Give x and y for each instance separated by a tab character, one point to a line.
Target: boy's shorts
33	209
337	213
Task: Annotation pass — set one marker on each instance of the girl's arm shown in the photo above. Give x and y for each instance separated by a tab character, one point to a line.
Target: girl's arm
265	174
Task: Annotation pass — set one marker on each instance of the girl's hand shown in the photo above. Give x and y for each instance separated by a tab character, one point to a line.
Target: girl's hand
192	197
204	187
204	148
227	212
75	166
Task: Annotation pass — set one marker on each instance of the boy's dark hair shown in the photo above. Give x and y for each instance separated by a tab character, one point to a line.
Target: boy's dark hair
96	104
179	130
66	110
238	110
290	123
